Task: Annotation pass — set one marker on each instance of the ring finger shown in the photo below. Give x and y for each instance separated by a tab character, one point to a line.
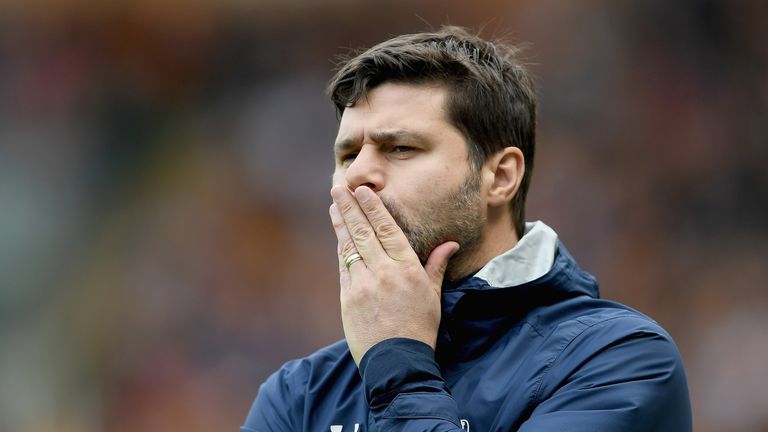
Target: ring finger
346	247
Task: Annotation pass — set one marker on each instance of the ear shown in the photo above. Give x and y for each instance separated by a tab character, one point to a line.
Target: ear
506	168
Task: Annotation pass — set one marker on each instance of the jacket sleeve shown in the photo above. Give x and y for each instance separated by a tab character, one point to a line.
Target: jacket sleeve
412	397
276	404
634	382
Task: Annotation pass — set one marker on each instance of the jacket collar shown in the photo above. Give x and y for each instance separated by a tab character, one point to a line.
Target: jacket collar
538	258
531	258
537	271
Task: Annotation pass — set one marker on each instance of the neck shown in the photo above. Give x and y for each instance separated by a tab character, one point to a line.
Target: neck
498	236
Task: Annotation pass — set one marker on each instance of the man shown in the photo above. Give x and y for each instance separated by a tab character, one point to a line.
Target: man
457	314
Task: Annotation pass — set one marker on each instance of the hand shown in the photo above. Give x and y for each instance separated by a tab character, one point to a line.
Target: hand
388	293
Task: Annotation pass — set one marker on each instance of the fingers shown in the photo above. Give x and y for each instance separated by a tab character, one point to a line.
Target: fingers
346	246
357	234
389	234
438	261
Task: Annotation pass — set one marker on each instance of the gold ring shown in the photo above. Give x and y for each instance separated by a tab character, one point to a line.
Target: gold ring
351	259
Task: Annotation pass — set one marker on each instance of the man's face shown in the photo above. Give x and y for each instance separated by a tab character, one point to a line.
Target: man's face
399	142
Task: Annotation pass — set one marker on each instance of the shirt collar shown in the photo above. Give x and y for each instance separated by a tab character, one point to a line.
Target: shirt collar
531	258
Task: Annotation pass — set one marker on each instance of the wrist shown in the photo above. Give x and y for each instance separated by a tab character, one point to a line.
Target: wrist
399	365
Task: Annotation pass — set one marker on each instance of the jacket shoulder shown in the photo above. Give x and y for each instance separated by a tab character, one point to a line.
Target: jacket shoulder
611	358
280	402
295	374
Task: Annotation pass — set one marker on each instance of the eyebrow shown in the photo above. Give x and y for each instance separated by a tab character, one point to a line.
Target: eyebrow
384	136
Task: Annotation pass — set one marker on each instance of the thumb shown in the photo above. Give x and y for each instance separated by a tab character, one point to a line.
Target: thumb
438	261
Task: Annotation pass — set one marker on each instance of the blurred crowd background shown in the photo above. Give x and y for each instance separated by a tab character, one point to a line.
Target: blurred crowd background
164	177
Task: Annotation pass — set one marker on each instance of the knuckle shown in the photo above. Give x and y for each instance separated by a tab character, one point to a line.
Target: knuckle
367	206
384	279
411	273
360	294
391	244
346	206
346	249
338	224
360	232
387	228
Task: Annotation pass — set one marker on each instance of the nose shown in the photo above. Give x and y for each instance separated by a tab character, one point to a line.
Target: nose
367	169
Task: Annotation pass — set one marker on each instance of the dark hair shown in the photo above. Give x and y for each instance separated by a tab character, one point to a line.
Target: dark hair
491	96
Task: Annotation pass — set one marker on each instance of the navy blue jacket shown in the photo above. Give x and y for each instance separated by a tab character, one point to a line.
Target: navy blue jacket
544	355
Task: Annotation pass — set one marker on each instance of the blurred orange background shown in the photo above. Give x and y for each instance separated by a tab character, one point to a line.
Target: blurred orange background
164	176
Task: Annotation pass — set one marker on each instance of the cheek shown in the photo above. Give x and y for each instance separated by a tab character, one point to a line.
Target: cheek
448	176
433	182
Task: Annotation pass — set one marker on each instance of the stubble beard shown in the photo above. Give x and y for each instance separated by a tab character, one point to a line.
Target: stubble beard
454	216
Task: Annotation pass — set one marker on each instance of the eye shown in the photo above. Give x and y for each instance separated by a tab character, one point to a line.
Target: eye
348	157
402	149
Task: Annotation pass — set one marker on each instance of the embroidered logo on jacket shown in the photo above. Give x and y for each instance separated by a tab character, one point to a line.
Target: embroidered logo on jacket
340	428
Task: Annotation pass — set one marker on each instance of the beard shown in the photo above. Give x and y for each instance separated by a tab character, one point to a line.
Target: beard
456	216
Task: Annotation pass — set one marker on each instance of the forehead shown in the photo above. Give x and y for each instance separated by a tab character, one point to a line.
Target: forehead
419	108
